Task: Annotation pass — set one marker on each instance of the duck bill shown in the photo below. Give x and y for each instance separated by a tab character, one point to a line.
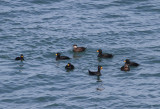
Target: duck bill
56	54
101	68
68	65
97	50
124	61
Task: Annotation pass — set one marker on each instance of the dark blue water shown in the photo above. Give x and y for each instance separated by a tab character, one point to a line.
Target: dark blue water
41	28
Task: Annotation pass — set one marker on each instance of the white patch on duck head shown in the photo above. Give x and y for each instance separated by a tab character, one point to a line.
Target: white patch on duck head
74	46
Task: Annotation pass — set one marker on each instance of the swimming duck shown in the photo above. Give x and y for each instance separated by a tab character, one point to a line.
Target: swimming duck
98	73
131	63
125	67
69	66
20	58
104	55
78	49
59	57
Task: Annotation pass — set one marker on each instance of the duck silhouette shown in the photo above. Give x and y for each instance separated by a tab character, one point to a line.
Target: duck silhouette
131	63
59	57
98	73
69	66
20	58
78	49
104	55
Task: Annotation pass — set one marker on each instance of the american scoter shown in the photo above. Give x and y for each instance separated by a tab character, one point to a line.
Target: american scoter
59	57
104	55
20	58
131	63
98	73
69	66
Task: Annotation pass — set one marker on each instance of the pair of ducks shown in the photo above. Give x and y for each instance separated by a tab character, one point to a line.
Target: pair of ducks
127	65
75	49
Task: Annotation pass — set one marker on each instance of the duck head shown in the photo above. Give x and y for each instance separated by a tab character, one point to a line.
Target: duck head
99	51
21	56
74	46
100	68
69	64
58	54
127	61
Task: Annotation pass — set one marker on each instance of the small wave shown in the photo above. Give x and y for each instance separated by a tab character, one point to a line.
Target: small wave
150	75
44	1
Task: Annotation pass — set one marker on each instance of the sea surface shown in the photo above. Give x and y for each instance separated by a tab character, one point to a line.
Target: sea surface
38	29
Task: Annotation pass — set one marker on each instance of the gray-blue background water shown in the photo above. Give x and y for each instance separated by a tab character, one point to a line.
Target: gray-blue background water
41	28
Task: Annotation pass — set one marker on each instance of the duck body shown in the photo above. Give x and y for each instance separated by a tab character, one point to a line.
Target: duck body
94	73
62	58
131	63
69	66
78	49
59	57
125	67
98	73
104	55
20	58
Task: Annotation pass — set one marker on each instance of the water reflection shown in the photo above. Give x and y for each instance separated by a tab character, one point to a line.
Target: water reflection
100	84
99	59
98	79
21	66
76	55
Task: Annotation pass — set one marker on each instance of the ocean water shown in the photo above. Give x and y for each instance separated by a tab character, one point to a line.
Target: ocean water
39	29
